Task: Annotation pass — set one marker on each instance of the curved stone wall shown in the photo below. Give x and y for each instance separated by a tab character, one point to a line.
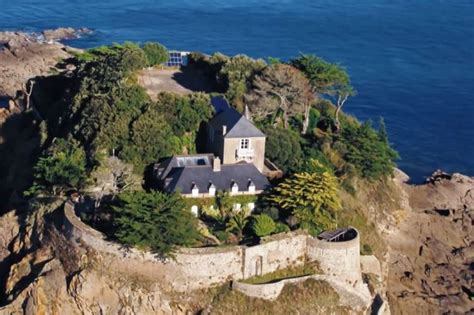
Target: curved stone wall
193	268
341	259
356	296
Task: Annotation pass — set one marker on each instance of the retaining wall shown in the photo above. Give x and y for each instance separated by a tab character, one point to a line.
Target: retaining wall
357	296
274	253
196	268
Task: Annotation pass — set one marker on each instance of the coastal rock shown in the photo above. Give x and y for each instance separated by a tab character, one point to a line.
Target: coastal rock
432	248
64	33
24	56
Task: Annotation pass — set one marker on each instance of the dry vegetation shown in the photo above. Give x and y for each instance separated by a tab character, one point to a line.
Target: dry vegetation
293	272
314	297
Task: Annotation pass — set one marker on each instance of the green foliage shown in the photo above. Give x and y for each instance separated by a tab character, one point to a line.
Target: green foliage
283	89
109	112
185	113
263	225
61	168
132	58
311	197
155	221
281	228
151	138
155	53
283	148
368	150
238	222
325	78
236	76
272	212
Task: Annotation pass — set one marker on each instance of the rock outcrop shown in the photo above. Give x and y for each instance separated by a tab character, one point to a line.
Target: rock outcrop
24	56
432	249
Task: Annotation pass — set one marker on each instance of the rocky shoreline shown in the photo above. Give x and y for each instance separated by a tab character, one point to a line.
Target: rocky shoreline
26	55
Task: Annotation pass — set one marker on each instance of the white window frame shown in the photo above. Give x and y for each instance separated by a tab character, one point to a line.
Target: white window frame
244	144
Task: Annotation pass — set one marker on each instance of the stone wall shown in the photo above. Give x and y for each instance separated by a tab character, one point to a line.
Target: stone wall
196	268
340	259
276	252
193	268
356	296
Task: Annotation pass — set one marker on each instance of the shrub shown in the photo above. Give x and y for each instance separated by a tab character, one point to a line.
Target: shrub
263	225
155	53
272	212
281	228
283	148
60	168
237	223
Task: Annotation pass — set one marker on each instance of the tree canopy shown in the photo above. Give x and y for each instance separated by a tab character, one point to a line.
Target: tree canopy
283	148
155	221
155	53
61	168
368	150
326	78
280	88
311	197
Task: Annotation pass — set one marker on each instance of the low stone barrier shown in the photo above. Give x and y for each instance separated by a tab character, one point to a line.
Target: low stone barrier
357	296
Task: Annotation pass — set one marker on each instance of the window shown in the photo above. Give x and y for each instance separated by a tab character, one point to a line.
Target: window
244	144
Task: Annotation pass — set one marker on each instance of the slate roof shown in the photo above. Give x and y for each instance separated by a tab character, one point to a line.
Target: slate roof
182	179
237	125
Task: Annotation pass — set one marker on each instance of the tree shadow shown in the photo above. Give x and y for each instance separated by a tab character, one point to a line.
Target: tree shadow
19	149
194	79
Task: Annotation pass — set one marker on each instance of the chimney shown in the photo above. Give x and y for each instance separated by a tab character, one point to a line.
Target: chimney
216	164
247	113
224	130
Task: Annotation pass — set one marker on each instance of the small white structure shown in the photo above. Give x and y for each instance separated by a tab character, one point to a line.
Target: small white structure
234	189
194	190
212	190
195	210
251	186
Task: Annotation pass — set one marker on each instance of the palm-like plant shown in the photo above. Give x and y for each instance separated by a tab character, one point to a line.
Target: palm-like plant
237	223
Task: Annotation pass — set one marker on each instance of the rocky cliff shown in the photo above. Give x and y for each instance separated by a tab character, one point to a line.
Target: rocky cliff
432	249
429	266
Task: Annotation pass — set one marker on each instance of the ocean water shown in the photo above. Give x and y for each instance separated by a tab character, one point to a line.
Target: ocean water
412	62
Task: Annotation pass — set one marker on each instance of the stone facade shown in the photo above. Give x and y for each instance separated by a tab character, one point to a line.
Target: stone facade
196	268
229	151
337	258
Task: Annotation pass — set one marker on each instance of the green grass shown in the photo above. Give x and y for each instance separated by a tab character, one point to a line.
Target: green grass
292	272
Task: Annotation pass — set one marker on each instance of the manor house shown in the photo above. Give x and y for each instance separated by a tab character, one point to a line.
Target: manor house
234	164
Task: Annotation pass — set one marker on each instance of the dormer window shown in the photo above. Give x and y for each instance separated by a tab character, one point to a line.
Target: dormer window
212	189
194	190
234	189
244	144
251	186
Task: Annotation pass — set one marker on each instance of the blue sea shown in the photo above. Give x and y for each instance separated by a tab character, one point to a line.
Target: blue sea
412	62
